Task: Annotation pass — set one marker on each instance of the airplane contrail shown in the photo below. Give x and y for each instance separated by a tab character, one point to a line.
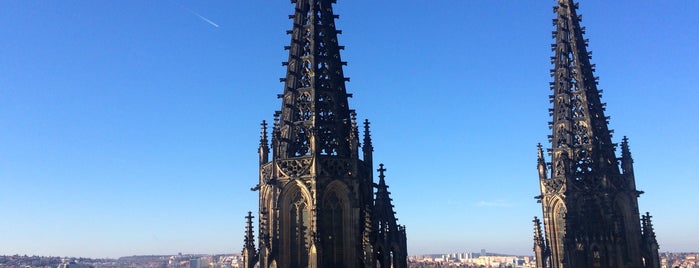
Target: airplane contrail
200	16
205	19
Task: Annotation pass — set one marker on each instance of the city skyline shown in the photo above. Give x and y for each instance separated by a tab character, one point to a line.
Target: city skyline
132	127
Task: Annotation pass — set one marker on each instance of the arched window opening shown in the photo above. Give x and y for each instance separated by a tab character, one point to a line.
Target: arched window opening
333	247
298	230
559	231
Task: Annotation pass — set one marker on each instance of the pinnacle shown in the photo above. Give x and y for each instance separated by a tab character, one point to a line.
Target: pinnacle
381	170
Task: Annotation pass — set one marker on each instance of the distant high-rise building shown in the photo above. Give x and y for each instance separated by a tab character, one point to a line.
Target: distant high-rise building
589	200
317	205
195	263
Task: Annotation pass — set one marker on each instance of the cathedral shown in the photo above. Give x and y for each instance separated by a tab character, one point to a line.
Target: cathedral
320	207
589	199
318	203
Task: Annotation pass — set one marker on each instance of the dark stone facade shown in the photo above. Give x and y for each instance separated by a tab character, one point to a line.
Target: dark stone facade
317	203
589	199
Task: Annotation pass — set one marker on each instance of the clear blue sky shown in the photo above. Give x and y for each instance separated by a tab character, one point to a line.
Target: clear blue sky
131	127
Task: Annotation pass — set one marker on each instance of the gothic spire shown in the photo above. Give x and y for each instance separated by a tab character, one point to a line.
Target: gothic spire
625	152
367	148
316	192
626	159
249	235
627	166
540	248
650	247
263	134
250	255
582	149
590	208
264	144
315	117
388	234
648	231
538	235
384	215
354	135
541	162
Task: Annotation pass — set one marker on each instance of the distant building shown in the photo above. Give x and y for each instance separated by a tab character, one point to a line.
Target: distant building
195	263
73	264
589	200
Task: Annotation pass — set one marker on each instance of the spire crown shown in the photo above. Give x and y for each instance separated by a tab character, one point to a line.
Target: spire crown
579	126
367	136
263	135
367	147
647	226
315	117
541	162
354	134
538	235
625	151
249	234
540	151
627	162
264	144
381	170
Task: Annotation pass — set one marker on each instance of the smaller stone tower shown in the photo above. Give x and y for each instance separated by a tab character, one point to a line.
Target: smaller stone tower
389	241
541	250
250	256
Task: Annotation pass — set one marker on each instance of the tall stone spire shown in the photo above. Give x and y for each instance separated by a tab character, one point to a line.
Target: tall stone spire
315	117
590	207
316	193
580	138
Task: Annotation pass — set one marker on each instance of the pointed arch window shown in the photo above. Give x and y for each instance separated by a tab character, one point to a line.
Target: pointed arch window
559	232
297	233
334	247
